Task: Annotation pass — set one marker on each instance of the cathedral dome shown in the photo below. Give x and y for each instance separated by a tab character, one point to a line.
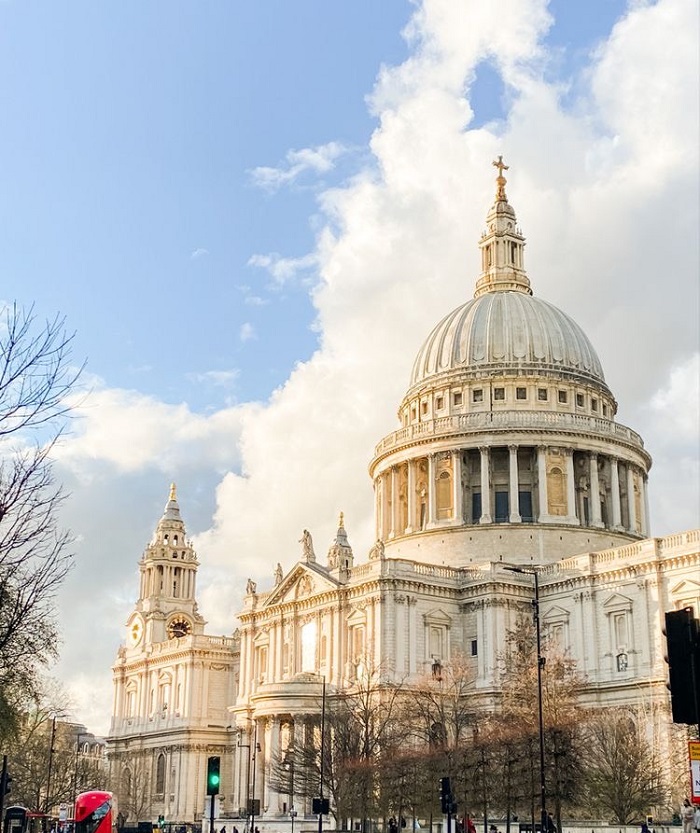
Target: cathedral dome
507	434
507	331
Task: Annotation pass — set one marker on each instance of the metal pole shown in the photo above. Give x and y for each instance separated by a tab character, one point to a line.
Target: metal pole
212	800
323	738
48	774
540	665
532	571
255	758
3	783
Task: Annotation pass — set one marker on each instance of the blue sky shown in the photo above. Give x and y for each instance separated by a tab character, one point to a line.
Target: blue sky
130	131
252	214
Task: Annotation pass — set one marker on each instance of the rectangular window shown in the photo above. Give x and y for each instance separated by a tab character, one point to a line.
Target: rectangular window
478	395
476	507
542	394
475	647
413	411
424	408
501	507
563	398
594	404
457	398
525	501
521	393
439	403
605	410
579	400
499	393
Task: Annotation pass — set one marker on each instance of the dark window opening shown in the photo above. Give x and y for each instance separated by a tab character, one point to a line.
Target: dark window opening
476	507
478	395
499	393
525	501
501	507
563	396
521	393
474	647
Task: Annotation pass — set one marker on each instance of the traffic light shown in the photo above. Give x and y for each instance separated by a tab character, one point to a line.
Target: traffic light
445	795
6	785
320	806
683	649
213	775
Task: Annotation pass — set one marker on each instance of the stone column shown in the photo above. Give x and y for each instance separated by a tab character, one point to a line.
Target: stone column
630	500
412	641
431	491
615	493
570	487
515	517
394	502
457	487
395	608
411	495
485	487
542	483
647	516
594	491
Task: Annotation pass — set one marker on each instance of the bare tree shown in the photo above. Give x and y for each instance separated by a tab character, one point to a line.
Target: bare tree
623	774
560	686
36	377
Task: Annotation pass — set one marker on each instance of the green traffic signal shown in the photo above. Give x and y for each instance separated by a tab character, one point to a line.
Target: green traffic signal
213	775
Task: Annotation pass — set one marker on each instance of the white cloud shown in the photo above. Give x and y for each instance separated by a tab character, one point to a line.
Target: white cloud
130	432
218	378
247	332
606	194
318	160
284	269
197	253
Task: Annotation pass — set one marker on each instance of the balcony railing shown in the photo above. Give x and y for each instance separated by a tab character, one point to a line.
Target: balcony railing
507	420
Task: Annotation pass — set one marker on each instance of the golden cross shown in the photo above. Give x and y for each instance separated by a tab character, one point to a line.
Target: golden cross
501	165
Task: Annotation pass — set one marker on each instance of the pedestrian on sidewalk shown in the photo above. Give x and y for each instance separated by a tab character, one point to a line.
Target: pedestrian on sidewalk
687	816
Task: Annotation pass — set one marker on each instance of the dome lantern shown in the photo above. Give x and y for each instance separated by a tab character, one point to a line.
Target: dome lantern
502	245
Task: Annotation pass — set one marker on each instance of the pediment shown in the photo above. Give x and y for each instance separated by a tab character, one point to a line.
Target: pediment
686	587
556	614
437	616
617	602
302	581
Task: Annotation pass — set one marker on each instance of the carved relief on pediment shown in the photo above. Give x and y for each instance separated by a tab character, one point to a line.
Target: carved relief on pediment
304	587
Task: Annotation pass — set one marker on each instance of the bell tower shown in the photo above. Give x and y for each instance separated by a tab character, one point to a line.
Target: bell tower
167	607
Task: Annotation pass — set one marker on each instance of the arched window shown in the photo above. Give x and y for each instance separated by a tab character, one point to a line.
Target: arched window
444	495
160	774
126	785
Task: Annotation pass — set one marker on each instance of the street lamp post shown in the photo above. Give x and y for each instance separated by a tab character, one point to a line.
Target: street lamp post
532	571
247	781
323	743
75	772
256	749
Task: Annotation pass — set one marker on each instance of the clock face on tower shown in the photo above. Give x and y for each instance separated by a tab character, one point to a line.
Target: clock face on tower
179	626
135	631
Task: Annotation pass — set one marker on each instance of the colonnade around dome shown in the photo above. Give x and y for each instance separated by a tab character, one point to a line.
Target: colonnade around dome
511	484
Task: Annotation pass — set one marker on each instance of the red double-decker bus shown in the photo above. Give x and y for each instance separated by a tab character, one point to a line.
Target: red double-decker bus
95	812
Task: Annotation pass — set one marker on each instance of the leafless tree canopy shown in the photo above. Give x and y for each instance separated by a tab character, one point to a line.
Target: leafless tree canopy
36	376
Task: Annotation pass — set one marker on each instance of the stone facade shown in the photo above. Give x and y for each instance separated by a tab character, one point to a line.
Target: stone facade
173	685
508	453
